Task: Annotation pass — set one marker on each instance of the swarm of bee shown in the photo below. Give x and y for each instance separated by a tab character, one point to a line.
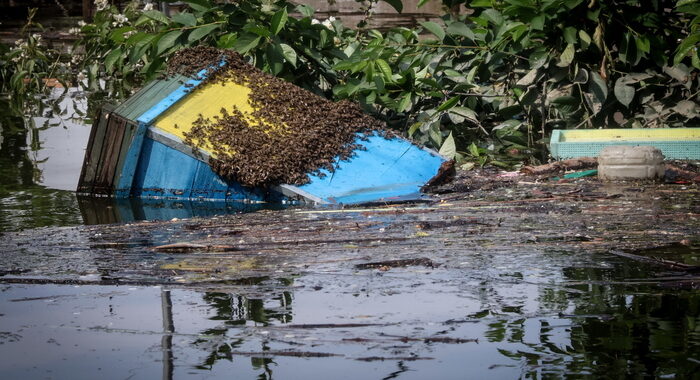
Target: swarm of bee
290	134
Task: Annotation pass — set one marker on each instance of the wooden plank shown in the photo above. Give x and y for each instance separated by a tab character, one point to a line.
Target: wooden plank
182	91
126	143
110	155
132	153
94	150
149	96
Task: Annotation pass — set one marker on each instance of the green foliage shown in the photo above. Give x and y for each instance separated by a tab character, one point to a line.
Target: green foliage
28	64
133	46
496	82
487	86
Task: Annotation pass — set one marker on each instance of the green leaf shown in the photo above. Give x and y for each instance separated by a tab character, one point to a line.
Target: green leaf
414	127
185	18
396	4
305	10
623	92
480	3
197	34
140	38
246	42
117	35
643	44
685	47
585	39
460	29
435	134
581	76
494	16
289	54
274	59
404	103
278	21
448	148
112	58
168	40
528	79
157	15
570	35
379	83
537	22
567	56
464	112
226	41
199	5
435	29
538	59
448	104
474	150
256	29
385	69
598	87
422	3
628	50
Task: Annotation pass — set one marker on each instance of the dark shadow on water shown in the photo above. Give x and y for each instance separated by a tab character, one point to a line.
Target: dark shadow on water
104	210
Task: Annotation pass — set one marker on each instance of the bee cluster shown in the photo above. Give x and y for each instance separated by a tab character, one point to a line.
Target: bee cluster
290	133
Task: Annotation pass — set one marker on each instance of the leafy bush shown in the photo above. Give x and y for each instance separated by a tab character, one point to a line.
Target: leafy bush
487	84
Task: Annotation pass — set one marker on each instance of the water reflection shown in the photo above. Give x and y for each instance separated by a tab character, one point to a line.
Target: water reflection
41	156
282	328
104	210
24	202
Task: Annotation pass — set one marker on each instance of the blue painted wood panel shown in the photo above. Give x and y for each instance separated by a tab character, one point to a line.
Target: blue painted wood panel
172	98
163	172
387	168
208	185
125	177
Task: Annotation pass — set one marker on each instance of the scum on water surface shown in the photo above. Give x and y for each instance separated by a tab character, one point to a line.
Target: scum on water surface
507	277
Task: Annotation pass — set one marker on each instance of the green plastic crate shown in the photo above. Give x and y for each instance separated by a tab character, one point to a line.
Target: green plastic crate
675	143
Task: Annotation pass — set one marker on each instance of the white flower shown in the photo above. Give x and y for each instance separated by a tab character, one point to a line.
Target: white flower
76	59
37	37
120	18
129	34
329	22
101	4
74	31
315	22
81	76
148	7
81	23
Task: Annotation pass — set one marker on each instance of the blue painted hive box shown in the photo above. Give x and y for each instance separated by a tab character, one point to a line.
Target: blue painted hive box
138	149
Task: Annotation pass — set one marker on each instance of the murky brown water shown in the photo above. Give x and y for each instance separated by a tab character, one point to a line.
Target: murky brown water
521	281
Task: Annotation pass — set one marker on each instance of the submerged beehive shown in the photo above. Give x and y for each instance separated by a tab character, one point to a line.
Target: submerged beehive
188	137
674	143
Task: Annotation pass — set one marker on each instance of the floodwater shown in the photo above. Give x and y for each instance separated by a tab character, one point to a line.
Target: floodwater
40	162
498	287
